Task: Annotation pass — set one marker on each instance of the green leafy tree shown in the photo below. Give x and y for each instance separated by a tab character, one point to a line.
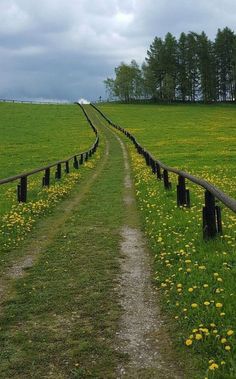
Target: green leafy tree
182	74
128	82
207	68
225	63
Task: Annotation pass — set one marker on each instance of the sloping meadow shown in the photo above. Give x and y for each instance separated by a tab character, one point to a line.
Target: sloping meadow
33	136
196	278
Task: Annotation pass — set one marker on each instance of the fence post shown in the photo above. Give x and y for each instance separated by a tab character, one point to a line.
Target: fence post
76	163
86	156
81	159
183	197
158	171
211	217
22	190
167	183
58	172
46	178
153	165
67	168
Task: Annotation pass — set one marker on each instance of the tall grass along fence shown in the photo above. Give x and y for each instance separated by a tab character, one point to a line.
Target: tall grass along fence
76	160
211	213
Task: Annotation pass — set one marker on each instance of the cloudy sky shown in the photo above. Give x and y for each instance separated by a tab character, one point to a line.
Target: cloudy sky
64	49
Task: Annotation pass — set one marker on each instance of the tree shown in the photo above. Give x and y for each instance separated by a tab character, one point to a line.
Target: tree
225	63
128	83
182	74
191	69
207	69
154	71
110	87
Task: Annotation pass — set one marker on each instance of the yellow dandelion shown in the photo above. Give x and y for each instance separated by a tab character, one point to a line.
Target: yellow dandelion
188	342
213	366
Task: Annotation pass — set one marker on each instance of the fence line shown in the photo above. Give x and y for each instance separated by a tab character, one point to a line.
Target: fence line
78	160
15	101
212	224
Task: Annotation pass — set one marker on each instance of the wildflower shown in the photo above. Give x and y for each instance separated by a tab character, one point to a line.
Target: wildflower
213	366
227	348
188	342
194	305
206	303
190	289
219	305
198	337
223	340
230	332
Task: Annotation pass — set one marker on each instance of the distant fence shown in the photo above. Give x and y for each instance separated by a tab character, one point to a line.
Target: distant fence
211	213
77	159
15	101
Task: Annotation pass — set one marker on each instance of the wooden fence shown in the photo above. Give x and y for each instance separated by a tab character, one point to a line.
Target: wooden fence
211	213
77	159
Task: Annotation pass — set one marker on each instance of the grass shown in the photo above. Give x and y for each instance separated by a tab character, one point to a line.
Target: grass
198	138
32	136
38	134
195	277
61	318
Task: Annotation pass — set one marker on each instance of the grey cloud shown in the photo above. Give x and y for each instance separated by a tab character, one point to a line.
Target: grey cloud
65	49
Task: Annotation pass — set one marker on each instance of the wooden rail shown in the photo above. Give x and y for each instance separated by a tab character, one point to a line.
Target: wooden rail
77	159
212	225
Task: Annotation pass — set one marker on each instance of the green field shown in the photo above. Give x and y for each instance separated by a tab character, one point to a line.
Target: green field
32	136
196	278
198	138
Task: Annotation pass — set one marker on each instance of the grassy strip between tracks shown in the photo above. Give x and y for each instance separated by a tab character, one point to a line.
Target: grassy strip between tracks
61	319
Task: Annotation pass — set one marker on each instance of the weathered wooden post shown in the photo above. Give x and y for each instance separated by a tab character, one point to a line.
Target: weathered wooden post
46	178
167	183
58	171
183	197
22	190
67	168
76	163
212	224
158	171
153	165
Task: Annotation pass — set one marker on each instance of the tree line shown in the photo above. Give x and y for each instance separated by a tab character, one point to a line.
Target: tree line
192	68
